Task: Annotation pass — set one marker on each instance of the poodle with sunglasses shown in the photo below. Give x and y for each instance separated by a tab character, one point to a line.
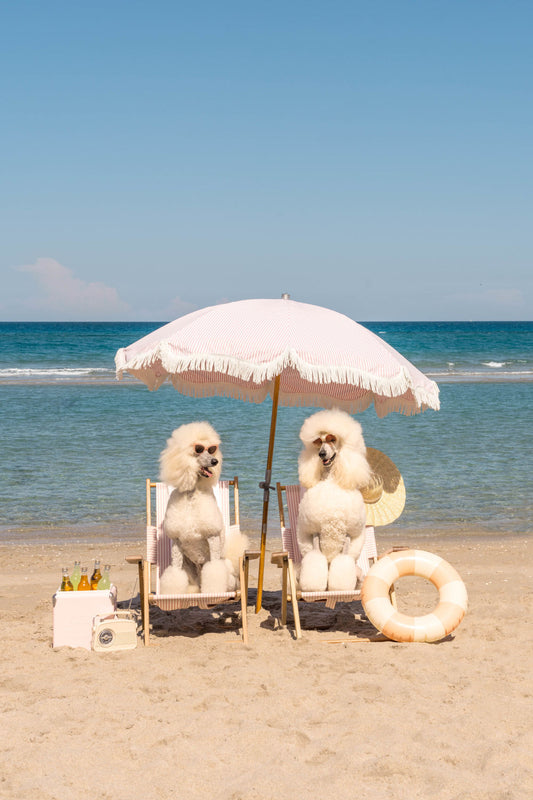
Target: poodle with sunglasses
331	520
191	464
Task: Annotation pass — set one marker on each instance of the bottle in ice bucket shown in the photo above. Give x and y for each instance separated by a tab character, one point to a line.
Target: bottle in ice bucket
66	585
105	582
84	585
95	577
75	575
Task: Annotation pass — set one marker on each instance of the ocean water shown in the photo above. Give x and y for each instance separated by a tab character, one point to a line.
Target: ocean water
76	445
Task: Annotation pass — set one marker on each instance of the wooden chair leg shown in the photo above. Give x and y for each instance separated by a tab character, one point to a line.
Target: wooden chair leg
246	571
294	598
144	580
243	577
284	591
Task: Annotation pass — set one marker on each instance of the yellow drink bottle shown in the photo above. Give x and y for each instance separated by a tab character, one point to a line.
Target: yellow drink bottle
66	585
84	585
95	577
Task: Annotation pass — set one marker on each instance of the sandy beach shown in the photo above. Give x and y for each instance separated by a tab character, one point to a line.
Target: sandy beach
199	715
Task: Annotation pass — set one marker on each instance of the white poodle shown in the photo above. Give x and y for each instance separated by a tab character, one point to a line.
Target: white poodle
192	463
331	521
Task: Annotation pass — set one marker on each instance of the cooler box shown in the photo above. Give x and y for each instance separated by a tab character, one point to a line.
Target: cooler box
74	613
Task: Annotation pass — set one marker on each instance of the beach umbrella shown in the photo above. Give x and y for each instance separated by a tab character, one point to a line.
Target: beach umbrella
296	353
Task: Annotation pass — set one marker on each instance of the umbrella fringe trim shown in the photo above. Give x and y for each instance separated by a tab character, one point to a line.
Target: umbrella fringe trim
383	407
168	364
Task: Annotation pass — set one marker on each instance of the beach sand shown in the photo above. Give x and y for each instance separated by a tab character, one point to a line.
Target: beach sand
199	715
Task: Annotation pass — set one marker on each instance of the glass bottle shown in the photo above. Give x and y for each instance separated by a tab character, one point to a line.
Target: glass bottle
95	577
66	585
84	585
105	582
75	575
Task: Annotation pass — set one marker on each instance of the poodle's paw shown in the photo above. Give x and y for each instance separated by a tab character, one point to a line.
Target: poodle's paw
314	572
214	578
174	580
342	573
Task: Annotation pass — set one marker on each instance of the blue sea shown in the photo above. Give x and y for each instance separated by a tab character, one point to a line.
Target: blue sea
76	445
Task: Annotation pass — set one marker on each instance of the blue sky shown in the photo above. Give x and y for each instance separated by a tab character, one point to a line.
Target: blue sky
373	157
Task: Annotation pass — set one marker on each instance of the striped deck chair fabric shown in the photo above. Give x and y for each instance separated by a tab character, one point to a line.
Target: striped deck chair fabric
158	555
293	496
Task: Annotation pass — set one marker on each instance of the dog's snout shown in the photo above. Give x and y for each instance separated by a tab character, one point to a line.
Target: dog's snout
214	462
322	452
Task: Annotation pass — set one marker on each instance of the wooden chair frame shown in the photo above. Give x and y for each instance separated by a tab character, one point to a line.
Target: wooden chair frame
155	534
291	554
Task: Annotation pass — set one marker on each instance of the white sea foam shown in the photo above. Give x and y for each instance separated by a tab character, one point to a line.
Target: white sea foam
469	374
54	372
494	364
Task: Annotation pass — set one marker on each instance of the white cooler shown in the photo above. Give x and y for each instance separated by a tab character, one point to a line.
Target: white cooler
74	613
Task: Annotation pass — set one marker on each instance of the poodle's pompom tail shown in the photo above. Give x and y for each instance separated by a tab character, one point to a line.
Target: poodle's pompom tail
232	576
314	572
174	580
342	574
178	466
214	577
234	547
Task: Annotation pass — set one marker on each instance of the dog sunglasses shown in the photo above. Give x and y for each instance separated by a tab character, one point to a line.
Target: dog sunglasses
199	448
329	439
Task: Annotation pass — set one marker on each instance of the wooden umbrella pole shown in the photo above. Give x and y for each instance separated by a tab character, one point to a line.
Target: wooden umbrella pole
266	494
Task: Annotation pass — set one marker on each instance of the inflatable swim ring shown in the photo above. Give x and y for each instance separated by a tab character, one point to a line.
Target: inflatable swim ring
453	599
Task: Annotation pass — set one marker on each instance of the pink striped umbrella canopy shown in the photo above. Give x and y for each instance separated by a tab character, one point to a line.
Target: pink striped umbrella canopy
322	358
299	354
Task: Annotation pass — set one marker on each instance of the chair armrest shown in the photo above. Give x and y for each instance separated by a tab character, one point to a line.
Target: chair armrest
250	555
279	558
396	549
134	559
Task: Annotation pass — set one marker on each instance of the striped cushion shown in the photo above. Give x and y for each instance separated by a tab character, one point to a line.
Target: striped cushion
159	552
171	602
289	540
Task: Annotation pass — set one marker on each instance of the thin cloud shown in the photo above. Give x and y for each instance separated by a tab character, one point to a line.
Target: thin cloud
178	307
64	296
505	298
491	302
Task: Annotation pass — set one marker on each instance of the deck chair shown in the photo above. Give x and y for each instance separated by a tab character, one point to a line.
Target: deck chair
158	555
291	556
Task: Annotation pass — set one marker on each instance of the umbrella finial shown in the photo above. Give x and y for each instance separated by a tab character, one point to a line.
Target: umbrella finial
285	296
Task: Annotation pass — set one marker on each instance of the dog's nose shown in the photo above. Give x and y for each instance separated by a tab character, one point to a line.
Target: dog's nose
214	462
322	453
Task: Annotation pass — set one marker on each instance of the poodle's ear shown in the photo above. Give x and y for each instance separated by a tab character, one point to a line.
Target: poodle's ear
309	468
177	468
352	470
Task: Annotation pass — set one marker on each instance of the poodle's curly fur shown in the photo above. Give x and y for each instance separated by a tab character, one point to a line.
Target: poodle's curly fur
193	520
331	521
